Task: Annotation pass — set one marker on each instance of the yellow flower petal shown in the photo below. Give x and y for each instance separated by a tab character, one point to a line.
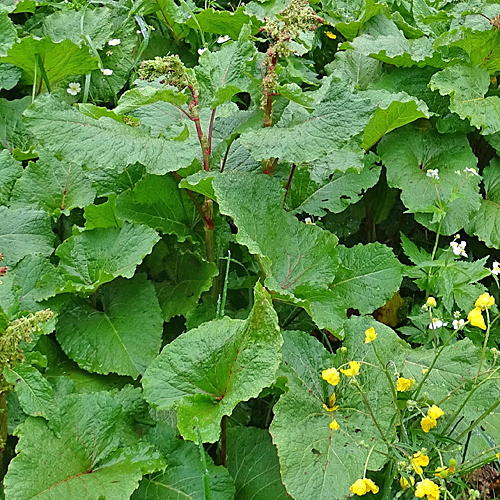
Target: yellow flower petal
404	384
363	486
352	370
485	301
370	335
329	34
431	302
334	425
429	488
435	412
476	318
331	375
427	424
405	484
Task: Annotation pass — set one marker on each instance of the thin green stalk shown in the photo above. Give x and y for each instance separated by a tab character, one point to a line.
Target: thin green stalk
479	419
485	343
43	72
33	94
371	412
203	459
224	290
86	88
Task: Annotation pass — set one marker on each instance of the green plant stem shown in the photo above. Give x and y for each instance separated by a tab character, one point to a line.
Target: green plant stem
371	413
485	343
3	433
203	459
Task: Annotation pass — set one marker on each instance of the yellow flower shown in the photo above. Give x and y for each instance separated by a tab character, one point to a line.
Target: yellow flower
443	472
485	301
429	488
331	403
334	425
435	412
428	423
418	461
329	34
363	486
424	370
404	384
476	318
497	455
405	484
331	375
431	302
352	370
370	335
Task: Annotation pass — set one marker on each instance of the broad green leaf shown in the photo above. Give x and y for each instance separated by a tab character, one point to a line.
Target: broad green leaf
486	223
9	76
157	202
317	462
96	23
339	117
62	129
102	215
107	180
59	59
13	133
55	186
10	171
24	231
144	95
101	333
467	86
183	477
88	459
207	371
222	22
394	111
222	74
370	9
336	195
409	152
8	32
180	277
35	394
97	256
253	462
356	68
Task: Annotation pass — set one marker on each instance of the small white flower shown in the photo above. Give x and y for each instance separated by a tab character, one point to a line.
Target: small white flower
200	51
115	41
109	52
496	268
459	248
458	172
223	39
309	221
73	88
457	314
433	173
457	323
189	17
152	27
138	32
436	323
471	170
107	72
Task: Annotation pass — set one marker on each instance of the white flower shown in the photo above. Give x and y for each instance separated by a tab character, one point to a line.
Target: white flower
309	221
109	52
200	51
456	314
457	323
436	323
459	248
496	268
115	41
223	39
458	172
107	72
433	173
471	170
73	88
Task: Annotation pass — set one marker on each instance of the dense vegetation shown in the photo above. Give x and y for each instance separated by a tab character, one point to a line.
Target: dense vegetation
250	251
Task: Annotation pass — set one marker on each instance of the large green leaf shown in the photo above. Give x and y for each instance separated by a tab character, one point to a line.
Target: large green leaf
65	130
339	117
157	202
94	456
35	394
9	76
183	478
221	74
13	133
101	333
24	231
467	86
486	223
148	94
409	152
207	371
180	277
59	59
10	171
8	32
253	462
317	462
55	186
99	255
